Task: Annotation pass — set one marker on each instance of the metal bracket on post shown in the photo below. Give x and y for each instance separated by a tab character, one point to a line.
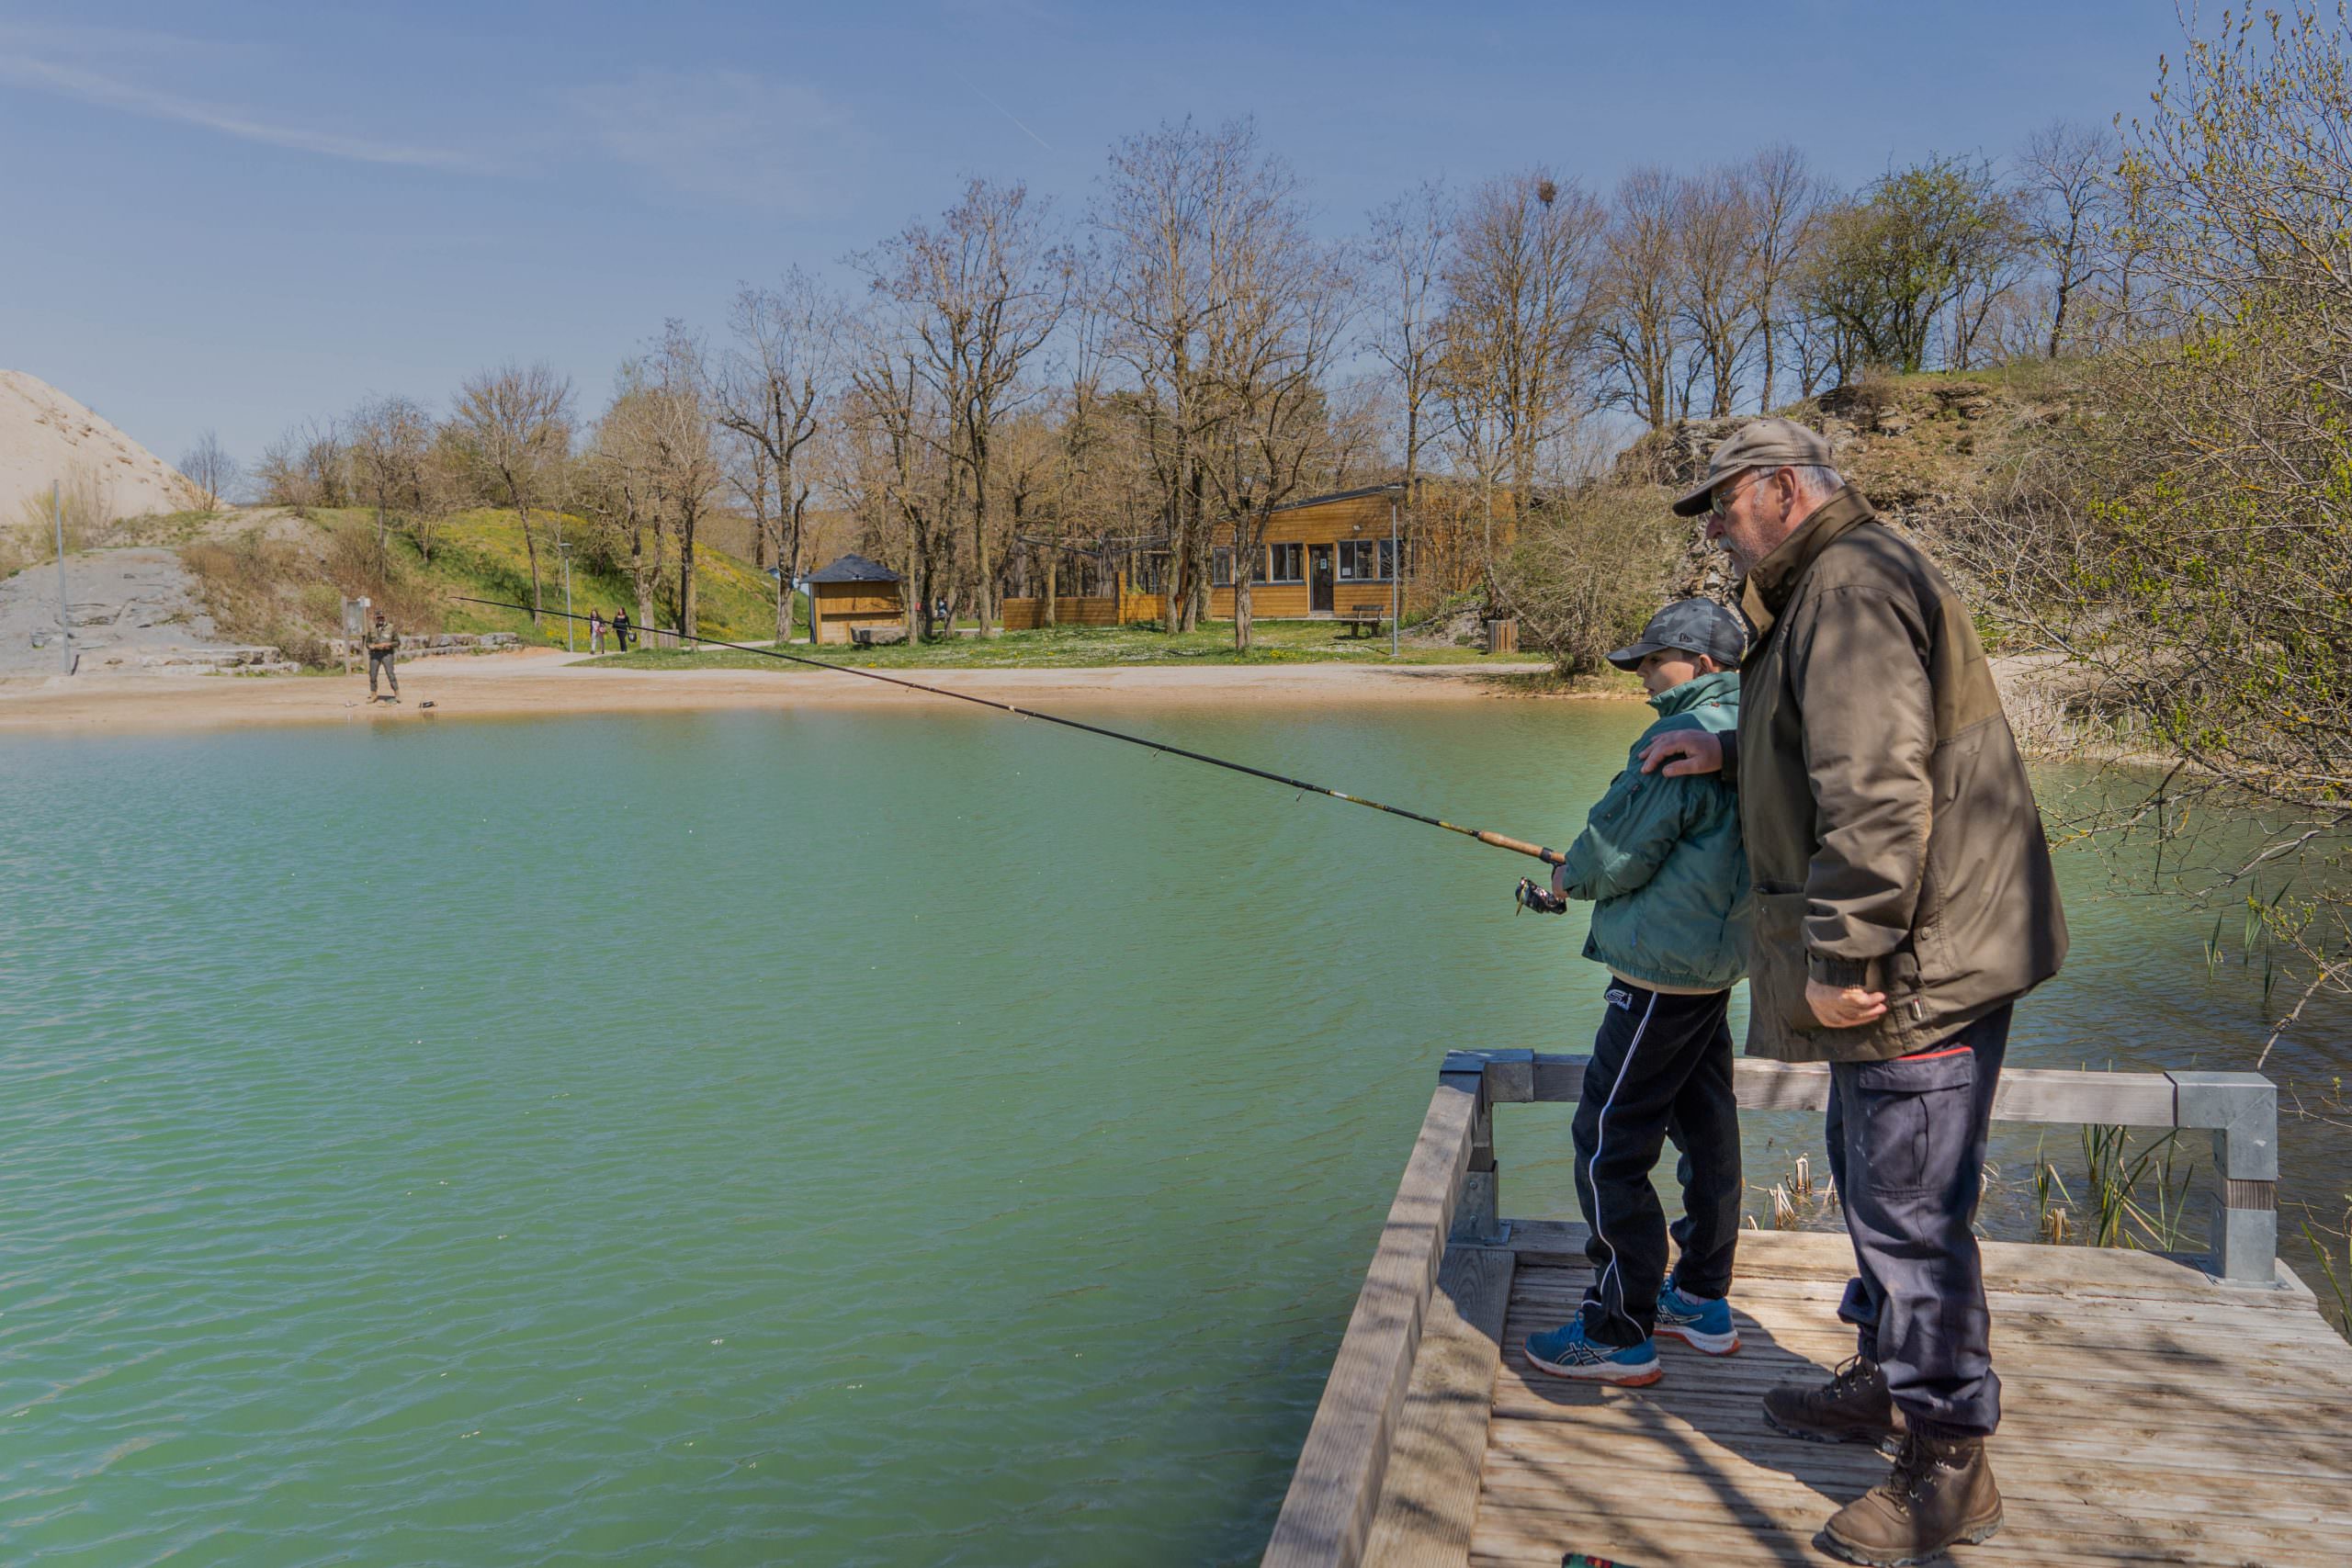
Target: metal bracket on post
2242	1111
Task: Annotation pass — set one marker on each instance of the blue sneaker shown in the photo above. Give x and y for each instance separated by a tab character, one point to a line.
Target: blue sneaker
1564	1352
1702	1323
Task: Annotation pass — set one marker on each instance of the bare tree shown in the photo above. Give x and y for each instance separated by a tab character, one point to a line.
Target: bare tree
305	467
980	293
1404	281
780	374
902	468
1521	306
389	437
2063	174
676	453
1784	198
1169	197
1638	327
620	488
1286	308
515	423
1714	231
207	466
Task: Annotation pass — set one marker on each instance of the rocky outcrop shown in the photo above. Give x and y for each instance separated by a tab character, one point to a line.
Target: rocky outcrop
1912	444
426	643
126	608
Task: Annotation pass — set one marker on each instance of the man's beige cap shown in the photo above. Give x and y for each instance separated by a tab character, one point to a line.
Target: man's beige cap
1759	443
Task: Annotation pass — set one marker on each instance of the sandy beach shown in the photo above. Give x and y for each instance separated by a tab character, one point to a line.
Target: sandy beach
537	681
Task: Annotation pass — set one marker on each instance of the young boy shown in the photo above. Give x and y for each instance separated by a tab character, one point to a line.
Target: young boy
1661	860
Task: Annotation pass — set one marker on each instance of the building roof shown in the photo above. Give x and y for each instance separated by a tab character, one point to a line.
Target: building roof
853	569
1340	495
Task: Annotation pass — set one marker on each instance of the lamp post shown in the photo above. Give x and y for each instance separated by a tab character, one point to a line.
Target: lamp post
1395	579
65	617
563	554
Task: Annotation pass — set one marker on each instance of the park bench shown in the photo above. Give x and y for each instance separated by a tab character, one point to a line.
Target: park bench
1364	620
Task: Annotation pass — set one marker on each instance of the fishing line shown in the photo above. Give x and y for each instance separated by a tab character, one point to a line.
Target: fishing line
1500	841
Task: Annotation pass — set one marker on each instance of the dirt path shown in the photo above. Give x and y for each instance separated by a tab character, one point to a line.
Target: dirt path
539	682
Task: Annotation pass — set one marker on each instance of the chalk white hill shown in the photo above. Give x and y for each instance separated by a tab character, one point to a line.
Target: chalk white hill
47	437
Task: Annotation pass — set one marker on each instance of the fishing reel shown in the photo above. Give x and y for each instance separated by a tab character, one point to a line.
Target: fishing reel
1536	896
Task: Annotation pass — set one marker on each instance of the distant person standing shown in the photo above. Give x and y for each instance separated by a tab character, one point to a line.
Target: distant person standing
620	629
383	648
595	633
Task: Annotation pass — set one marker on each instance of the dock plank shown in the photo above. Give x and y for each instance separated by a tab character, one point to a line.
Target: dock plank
1430	1496
2153	1415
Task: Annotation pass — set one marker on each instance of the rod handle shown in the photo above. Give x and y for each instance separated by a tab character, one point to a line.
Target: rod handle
1521	846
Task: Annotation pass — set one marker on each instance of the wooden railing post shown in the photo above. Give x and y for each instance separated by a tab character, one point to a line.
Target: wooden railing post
1500	1077
2242	1110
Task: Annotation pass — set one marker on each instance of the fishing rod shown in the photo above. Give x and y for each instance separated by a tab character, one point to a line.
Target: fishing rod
1499	841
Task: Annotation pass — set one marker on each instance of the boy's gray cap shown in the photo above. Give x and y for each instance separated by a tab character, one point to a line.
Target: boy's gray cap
1759	443
1694	626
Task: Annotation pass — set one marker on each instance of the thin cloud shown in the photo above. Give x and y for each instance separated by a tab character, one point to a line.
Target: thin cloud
726	134
109	92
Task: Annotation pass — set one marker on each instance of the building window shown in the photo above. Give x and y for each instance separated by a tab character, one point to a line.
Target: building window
1361	560
1389	549
1221	570
1287	563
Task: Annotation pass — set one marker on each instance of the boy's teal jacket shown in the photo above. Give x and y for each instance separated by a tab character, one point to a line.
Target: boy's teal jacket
1661	858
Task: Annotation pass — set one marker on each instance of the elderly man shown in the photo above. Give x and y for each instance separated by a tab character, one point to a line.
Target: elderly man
1905	900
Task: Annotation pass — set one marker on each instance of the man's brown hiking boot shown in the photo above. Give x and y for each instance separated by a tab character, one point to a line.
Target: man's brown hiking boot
1939	1493
1853	1406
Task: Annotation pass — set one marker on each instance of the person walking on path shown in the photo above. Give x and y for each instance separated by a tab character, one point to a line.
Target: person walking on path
1905	900
1661	858
620	629
383	653
595	633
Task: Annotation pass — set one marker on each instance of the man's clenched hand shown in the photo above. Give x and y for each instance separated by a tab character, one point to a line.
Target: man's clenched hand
1846	1007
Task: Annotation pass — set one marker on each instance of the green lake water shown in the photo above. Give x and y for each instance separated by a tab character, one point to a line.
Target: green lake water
882	1136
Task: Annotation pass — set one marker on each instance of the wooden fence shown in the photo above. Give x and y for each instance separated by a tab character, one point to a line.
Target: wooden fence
1114	609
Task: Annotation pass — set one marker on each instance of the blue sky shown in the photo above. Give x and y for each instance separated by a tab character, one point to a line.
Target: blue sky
239	214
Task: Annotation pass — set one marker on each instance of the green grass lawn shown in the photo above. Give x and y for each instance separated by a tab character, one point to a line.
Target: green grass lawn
1278	642
480	555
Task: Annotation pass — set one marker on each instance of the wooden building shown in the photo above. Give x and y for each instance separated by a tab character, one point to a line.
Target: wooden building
855	599
1328	555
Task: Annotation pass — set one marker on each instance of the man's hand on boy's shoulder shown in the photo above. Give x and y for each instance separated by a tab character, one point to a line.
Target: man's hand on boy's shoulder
1683	753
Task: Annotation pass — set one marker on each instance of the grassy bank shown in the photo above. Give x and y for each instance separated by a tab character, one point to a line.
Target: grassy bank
1278	642
280	577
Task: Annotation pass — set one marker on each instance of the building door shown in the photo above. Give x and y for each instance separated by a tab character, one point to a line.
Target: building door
1318	578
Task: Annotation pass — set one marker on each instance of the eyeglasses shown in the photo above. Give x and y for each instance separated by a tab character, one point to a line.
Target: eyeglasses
1724	499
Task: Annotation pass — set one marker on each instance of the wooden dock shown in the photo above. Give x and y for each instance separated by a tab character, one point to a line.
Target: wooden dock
2156	1409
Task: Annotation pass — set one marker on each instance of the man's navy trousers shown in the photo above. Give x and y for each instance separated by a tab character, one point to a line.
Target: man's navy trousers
1907	1146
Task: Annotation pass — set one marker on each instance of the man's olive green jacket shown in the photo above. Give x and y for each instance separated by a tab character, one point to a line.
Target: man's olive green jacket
1891	830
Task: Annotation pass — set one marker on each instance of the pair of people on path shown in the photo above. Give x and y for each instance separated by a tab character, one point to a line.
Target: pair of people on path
1848	820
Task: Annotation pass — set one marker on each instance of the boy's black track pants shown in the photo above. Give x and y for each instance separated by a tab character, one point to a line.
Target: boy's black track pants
1661	1068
